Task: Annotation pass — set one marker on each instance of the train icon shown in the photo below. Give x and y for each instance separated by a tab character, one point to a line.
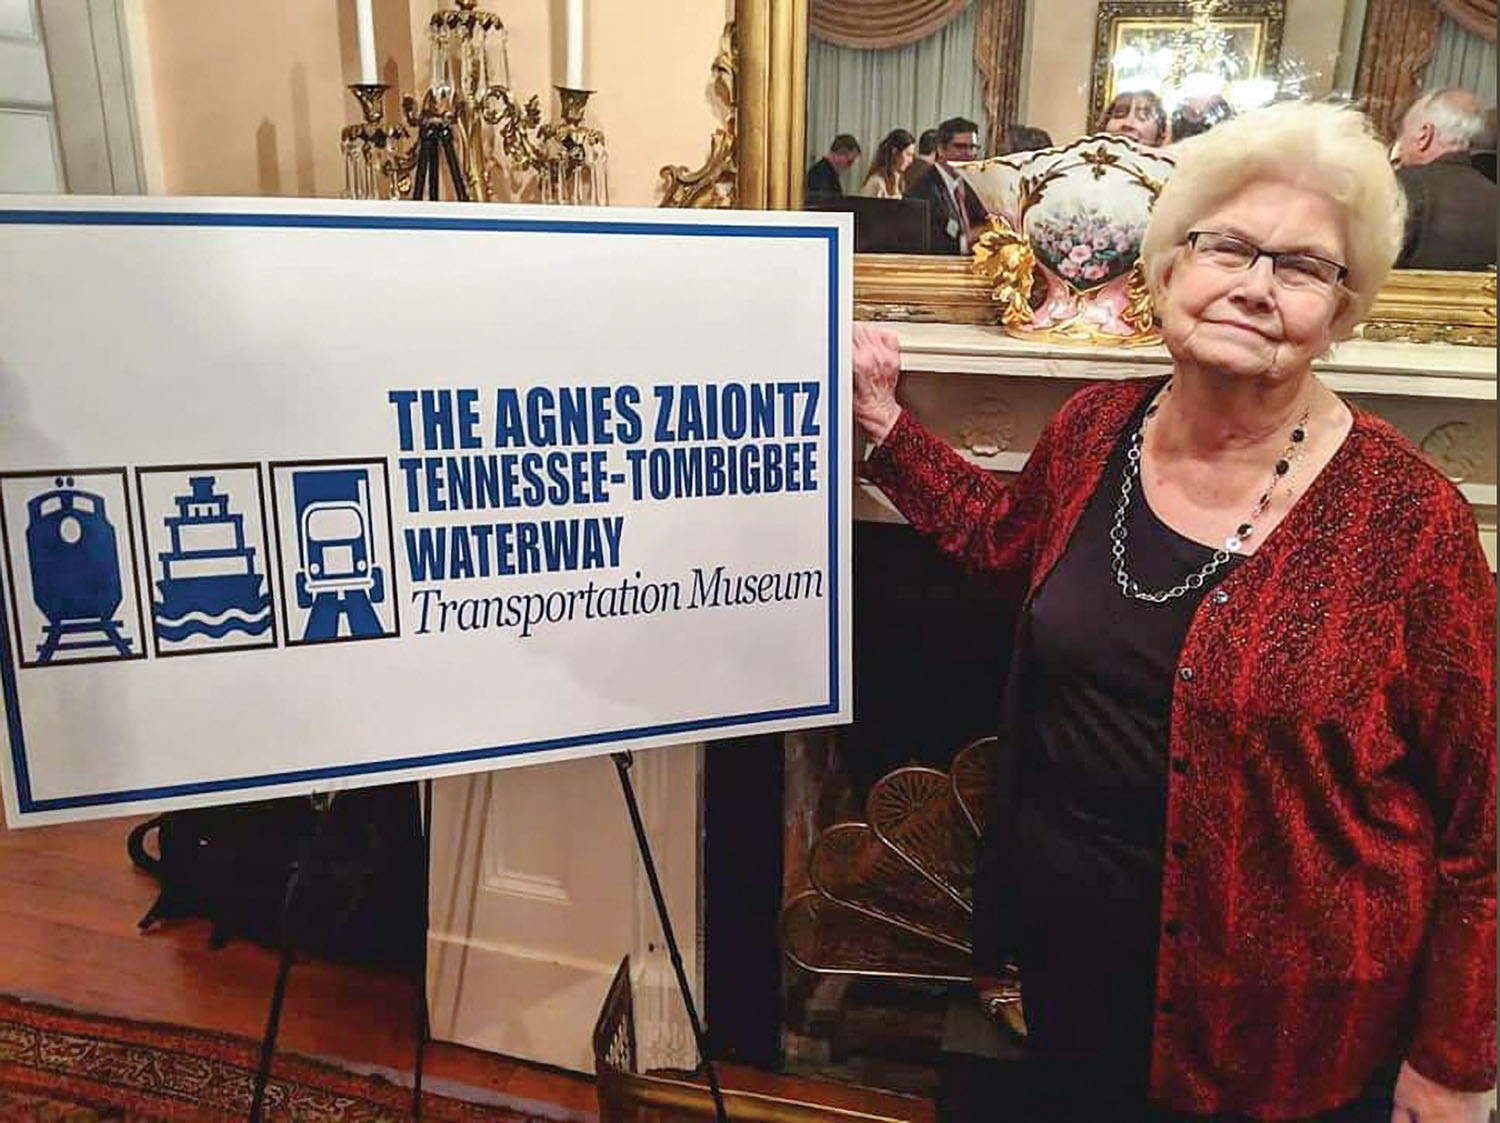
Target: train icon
77	552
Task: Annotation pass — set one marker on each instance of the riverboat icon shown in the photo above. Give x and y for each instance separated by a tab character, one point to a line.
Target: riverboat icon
212	589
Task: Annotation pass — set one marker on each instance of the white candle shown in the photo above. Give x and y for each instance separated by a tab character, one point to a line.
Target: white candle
573	79
365	22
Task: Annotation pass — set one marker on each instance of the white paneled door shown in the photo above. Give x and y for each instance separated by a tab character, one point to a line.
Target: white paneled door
30	152
537	893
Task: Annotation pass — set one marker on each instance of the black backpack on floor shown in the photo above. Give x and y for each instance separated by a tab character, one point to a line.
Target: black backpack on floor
359	893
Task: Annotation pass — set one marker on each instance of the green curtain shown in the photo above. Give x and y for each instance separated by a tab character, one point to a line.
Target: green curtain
869	93
1462	59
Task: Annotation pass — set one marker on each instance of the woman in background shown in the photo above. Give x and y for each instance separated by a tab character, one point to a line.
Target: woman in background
886	179
1139	115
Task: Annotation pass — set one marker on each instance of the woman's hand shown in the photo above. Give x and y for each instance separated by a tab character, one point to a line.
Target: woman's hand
993	990
1420	1100
1000	999
877	366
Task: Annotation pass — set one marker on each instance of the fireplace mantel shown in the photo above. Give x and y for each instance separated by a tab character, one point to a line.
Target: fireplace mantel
989	394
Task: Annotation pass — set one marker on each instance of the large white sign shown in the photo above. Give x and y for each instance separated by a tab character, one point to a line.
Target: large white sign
301	496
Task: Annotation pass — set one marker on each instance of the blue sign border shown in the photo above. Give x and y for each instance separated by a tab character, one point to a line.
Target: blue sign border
829	236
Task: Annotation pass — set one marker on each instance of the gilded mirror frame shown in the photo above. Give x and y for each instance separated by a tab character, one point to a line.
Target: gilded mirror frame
1118	17
771	92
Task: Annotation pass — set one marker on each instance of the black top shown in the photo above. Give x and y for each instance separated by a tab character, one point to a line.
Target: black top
1091	792
822	182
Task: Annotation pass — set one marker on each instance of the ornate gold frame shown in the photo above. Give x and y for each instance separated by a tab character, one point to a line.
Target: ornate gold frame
1416	306
1268	16
772	102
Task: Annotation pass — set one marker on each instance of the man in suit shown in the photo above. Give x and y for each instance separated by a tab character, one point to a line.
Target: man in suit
1450	222
823	177
956	215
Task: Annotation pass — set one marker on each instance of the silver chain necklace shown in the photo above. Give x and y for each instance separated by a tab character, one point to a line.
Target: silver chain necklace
1281	472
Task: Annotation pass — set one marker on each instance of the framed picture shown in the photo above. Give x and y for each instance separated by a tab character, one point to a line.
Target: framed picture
1157	43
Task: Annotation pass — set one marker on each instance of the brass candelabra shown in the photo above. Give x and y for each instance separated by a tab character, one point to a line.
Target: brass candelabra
469	127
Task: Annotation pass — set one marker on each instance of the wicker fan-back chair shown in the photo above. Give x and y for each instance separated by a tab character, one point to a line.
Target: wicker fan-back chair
893	896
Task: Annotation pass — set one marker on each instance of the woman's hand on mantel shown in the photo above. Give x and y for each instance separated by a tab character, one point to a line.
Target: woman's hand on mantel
877	366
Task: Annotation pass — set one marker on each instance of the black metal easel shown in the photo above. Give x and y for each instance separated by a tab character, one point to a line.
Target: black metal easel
434	140
623	762
424	1024
306	851
322	802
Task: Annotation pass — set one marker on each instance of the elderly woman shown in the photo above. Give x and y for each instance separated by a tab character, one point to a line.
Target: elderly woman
1242	838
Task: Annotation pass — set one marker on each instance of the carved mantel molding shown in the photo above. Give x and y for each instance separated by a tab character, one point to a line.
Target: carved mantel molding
989	395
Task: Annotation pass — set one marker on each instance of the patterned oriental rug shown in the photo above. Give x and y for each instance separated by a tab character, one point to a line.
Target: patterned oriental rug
58	1066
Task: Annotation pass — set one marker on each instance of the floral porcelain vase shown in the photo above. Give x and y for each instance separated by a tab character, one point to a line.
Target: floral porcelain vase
1063	244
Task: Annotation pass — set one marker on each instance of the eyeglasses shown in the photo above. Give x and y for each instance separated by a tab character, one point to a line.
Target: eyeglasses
1302	271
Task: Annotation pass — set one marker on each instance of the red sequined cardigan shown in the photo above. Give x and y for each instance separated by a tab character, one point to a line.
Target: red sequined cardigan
1331	800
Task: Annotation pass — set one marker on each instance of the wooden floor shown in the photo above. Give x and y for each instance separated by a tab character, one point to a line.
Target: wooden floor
69	902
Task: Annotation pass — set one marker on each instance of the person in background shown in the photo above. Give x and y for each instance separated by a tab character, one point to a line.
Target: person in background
823	181
1241	827
1026	138
1139	115
887	175
956	214
926	156
1199	114
1450	222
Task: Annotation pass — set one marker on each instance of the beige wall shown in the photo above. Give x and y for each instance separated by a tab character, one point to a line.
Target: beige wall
1055	96
248	97
1313	28
1060	43
652	61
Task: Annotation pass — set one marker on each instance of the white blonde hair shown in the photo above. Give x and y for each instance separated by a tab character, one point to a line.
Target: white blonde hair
1317	146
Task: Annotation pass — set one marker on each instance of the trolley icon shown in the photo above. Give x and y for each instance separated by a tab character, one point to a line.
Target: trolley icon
75	571
333	522
337	577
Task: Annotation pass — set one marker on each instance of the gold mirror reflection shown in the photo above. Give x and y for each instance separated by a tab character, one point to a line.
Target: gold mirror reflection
1231	51
1028	74
1377	53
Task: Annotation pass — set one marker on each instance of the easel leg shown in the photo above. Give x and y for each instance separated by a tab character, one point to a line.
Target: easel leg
424	1025
424	166
321	804
455	172
622	765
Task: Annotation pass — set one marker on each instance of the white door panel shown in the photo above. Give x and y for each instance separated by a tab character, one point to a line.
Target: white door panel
23	72
537	893
29	160
16	19
30	155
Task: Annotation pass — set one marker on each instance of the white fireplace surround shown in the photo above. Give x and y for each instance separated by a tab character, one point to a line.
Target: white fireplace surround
989	395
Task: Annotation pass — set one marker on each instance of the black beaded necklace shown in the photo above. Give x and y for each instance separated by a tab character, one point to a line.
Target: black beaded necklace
1281	473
